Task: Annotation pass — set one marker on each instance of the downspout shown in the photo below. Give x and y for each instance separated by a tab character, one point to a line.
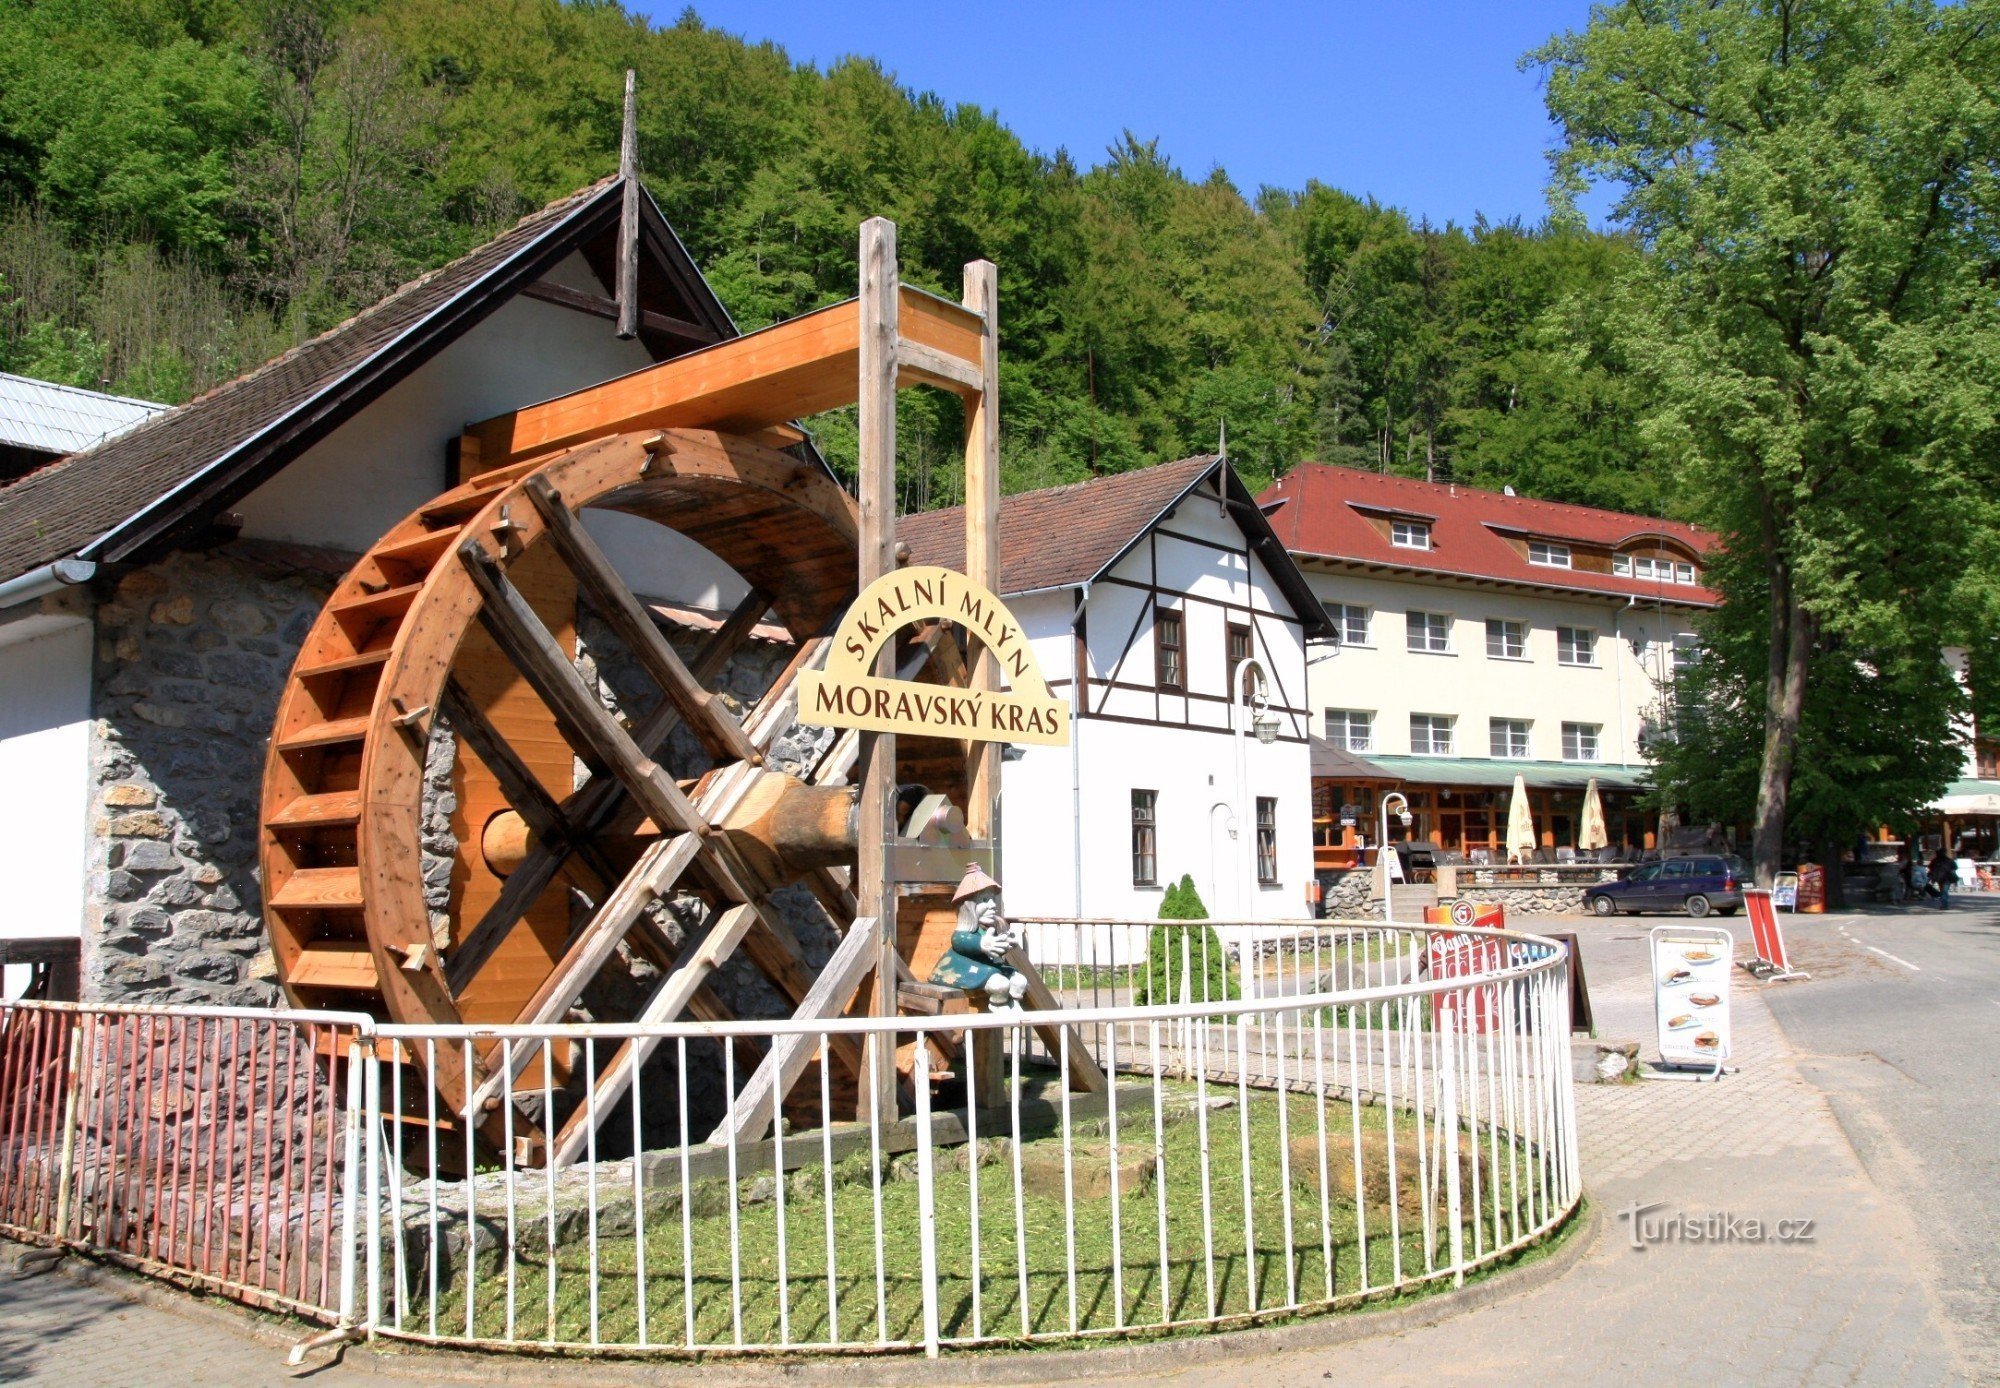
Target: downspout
49	578
1617	612
1078	658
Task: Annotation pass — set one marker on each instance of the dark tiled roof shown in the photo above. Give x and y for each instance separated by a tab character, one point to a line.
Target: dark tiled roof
1334	763
1321	511
1060	537
272	413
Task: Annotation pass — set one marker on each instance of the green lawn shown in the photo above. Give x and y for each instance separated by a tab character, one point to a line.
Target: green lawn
1119	1277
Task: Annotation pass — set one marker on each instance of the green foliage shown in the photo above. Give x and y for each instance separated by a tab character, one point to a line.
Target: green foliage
1185	964
297	158
1815	331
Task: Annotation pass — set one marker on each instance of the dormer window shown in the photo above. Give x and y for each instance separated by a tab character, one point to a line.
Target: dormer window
1405	534
1549	556
1653	570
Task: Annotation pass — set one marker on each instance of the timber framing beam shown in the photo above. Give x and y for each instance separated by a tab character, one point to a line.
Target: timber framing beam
753	383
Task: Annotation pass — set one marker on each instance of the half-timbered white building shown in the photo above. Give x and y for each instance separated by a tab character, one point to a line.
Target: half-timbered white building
1144	593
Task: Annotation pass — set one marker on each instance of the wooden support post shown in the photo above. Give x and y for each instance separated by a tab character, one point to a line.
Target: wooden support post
874	894
628	212
982	566
1084	1071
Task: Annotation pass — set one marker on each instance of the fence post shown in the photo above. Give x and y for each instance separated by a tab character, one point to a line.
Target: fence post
1447	1020
350	1179
66	1169
927	1192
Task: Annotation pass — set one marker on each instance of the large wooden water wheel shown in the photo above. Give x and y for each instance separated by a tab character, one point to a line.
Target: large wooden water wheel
462	616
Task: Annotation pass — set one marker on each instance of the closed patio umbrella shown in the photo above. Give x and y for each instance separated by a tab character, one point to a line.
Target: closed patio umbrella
1521	842
1592	834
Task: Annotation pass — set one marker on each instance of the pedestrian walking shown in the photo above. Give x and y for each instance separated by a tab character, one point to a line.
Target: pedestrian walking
1944	876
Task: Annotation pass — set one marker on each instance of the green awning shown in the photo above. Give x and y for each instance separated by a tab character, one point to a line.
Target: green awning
1496	771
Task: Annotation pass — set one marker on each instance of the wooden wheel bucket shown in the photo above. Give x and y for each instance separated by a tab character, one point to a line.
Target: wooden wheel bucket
463	613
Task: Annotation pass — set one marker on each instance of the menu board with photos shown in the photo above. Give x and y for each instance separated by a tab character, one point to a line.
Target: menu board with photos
1691	966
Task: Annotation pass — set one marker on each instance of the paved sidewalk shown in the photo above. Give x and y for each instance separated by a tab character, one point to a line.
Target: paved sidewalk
1856	1305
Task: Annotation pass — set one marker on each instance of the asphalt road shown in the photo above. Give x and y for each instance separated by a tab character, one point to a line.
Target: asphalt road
1899	1026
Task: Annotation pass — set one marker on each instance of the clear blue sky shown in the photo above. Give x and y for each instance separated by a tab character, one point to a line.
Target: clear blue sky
1418	102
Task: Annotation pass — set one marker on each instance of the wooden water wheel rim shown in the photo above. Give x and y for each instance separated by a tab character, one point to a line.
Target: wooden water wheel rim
360	930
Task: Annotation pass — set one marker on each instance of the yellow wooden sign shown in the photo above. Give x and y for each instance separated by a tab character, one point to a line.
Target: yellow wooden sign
848	694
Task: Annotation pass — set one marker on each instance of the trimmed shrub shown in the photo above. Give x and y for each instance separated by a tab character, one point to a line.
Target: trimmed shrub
1193	952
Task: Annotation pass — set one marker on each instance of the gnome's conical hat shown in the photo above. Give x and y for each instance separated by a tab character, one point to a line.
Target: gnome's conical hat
976	880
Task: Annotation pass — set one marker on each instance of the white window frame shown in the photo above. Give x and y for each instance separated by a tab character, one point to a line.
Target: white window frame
1621	565
1348	616
1550	556
1410	534
1506	626
1686	650
1579	736
1433	723
1348	720
1565	646
1523	726
1684	574
1415	621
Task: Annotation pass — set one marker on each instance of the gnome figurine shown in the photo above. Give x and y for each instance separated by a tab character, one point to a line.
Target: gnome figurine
977	961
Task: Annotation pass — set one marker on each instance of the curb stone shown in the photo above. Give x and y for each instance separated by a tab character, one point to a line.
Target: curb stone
999	1365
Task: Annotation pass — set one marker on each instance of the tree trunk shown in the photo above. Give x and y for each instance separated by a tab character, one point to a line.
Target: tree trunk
1784	699
1836	880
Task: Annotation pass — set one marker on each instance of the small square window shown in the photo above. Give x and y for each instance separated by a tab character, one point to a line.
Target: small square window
1351	622
1548	556
1510	737
1576	646
1621	565
1581	741
1349	728
1429	632
1684	573
1410	534
1506	640
1430	734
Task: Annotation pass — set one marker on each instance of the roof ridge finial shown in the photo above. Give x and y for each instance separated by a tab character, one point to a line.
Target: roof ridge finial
1222	437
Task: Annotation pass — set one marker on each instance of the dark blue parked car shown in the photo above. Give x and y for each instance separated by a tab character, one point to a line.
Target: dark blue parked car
1696	885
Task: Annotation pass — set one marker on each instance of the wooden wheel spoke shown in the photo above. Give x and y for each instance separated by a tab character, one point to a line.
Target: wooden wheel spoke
595	575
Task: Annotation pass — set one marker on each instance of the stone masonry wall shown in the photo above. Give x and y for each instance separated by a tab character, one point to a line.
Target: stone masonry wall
192	653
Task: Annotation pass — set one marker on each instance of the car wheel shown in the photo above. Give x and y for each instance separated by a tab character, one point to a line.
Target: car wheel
1603	906
1697	906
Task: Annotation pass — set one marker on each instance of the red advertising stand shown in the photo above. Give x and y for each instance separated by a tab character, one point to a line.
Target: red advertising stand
1772	961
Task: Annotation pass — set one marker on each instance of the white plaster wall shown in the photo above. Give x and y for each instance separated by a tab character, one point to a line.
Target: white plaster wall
1388	680
391	458
45	767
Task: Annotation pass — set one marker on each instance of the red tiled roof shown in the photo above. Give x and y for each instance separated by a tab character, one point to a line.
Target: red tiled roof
1321	511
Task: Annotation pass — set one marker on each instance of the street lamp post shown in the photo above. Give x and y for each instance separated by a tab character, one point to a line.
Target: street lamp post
1384	849
1266	729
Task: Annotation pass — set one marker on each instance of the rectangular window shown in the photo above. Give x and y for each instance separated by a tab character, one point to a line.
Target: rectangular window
1345	727
1621	564
1168	651
1576	646
1684	573
1506	640
1580	741
1429	631
1145	859
1351	622
1547	555
1409	534
1510	737
1687	650
1267	841
1430	735
1239	651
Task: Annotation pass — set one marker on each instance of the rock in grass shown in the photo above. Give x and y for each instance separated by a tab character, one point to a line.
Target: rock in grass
1374	1167
1090	1169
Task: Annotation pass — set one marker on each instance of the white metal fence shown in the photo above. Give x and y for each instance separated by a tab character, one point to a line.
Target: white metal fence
1334	1113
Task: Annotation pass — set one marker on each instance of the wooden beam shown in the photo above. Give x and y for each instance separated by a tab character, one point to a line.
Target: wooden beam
982	532
754	1109
721	734
596	305
874	896
1084	1072
628	211
651	878
699	959
759	381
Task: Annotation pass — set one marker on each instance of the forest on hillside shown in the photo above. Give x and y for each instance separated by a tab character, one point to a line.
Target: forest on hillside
188	187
